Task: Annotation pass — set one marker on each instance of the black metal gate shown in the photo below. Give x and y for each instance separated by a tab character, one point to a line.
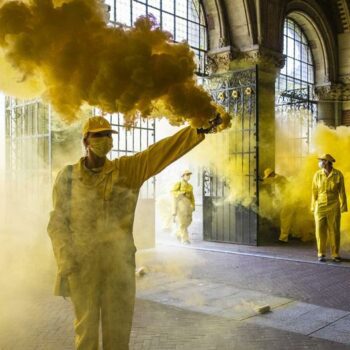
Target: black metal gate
225	220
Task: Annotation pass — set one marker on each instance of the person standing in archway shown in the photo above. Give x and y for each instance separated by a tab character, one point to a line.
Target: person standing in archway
328	202
184	206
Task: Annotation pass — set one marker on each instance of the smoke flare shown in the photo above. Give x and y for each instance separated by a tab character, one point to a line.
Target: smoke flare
65	52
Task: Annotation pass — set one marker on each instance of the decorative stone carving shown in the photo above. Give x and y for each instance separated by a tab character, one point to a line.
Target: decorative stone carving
336	92
346	93
219	60
343	8
264	57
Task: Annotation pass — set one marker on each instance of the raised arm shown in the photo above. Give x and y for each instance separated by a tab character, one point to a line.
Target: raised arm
143	165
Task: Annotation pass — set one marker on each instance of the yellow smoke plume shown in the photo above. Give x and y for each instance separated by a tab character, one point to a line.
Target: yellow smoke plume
300	171
296	159
65	52
227	155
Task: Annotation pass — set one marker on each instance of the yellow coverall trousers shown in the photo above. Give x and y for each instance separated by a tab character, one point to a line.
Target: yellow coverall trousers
328	225
100	287
286	220
184	218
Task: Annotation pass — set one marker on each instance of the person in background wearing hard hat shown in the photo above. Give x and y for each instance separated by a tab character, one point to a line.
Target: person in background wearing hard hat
278	185
327	204
90	228
183	206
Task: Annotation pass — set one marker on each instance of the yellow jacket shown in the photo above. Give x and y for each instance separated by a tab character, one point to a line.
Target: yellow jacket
184	188
328	193
102	205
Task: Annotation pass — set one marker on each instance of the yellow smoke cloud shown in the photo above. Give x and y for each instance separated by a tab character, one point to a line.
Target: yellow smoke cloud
216	153
65	51
300	171
226	155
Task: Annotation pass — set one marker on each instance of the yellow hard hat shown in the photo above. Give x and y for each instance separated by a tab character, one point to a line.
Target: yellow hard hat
97	124
327	157
268	172
186	172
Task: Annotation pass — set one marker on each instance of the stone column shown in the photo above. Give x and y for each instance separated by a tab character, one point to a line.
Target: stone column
269	63
329	105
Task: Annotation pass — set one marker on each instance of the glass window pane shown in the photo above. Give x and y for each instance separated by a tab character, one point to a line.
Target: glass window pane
154	3
203	36
168	23
168	5
124	12
297	50
111	4
181	8
137	10
155	13
304	53
304	73
193	11
193	35
297	70
181	29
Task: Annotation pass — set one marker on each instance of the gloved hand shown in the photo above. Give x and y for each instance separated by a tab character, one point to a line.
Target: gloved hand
213	124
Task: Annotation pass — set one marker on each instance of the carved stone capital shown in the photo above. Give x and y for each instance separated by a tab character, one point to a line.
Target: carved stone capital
346	92
264	57
219	60
330	91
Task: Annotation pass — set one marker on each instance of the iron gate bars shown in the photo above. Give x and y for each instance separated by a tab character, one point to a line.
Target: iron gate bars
230	203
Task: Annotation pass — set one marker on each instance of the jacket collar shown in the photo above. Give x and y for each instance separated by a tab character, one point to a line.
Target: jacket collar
107	167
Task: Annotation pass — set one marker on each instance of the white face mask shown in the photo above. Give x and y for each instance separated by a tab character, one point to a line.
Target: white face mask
101	145
320	164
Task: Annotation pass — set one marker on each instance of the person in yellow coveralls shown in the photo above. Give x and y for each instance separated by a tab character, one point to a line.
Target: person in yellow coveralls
90	228
327	204
278	185
183	206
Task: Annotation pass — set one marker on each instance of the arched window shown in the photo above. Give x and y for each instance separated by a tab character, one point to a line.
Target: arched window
184	19
298	71
296	108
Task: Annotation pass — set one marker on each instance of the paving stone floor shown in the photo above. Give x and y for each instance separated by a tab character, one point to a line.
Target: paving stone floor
202	297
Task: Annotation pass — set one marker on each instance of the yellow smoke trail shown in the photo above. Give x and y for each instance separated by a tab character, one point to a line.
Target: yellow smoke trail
64	51
223	155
